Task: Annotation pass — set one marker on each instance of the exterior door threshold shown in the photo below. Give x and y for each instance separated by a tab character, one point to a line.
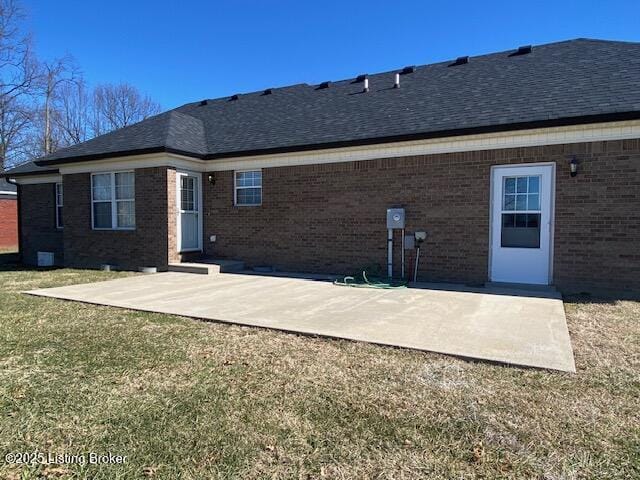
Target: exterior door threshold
530	287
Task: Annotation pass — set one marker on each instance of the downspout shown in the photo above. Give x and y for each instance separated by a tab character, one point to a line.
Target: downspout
19	200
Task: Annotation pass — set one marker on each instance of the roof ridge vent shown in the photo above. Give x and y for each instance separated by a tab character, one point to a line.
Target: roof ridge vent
323	85
203	102
522	50
408	69
361	78
234	97
460	61
268	91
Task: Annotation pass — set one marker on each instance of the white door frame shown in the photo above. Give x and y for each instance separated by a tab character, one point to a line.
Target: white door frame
198	179
552	209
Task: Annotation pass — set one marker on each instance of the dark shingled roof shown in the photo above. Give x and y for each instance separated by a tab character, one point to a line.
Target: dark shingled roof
28	168
6	186
577	81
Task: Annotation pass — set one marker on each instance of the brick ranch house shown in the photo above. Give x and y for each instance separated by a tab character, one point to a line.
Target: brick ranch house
8	216
522	166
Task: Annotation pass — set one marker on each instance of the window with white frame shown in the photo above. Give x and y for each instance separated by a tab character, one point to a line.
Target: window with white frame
248	188
113	201
59	202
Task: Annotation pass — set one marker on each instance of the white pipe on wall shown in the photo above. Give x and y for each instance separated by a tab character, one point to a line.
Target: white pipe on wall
402	253
390	253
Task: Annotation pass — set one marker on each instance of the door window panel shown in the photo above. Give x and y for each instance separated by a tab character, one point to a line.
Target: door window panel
521	212
188	196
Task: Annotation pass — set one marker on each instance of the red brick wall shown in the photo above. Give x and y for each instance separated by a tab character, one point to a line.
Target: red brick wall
8	223
147	245
39	232
331	218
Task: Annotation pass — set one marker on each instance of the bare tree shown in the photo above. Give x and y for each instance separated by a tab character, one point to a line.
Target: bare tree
55	75
18	74
116	106
47	106
16	120
73	113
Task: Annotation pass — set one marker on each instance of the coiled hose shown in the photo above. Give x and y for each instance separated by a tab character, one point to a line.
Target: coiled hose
365	282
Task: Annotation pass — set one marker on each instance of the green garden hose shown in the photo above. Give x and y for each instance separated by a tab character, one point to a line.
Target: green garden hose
365	282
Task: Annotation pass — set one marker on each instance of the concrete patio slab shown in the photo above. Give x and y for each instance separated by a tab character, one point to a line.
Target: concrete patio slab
490	324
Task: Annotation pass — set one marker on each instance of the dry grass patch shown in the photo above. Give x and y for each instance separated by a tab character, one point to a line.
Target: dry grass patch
187	399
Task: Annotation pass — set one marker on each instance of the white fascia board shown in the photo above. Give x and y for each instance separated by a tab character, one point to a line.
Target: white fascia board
8	192
133	162
595	132
37	179
488	141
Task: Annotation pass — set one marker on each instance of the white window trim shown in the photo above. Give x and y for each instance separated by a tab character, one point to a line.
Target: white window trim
59	225
236	188
113	201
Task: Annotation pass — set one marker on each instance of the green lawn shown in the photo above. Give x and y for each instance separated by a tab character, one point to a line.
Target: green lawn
187	399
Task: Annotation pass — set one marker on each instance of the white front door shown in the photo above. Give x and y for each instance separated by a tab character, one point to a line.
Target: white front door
521	220
189	237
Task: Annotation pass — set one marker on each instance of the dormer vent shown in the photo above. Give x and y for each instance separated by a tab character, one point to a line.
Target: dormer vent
203	103
460	61
268	91
234	97
523	50
407	70
361	78
323	85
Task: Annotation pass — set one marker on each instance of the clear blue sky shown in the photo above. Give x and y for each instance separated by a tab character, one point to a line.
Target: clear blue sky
180	51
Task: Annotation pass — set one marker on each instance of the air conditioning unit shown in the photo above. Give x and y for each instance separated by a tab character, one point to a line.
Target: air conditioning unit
46	259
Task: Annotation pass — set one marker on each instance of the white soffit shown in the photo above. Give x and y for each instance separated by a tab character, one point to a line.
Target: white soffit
488	141
36	179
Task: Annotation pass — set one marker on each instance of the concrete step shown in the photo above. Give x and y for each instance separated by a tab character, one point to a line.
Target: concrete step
549	291
207	266
522	286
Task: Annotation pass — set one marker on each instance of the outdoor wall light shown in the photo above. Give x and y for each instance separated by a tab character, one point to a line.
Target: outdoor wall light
211	179
573	166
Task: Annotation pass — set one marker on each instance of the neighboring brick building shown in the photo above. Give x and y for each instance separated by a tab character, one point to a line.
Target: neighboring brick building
512	163
8	216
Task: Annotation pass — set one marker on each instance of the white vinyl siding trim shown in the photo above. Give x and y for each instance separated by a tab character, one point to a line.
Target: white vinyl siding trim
247	188
596	132
120	197
59	205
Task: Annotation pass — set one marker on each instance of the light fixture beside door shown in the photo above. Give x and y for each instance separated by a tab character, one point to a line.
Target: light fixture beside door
573	166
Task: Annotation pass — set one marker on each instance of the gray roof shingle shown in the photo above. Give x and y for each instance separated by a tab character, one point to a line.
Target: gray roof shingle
560	83
28	168
7	187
